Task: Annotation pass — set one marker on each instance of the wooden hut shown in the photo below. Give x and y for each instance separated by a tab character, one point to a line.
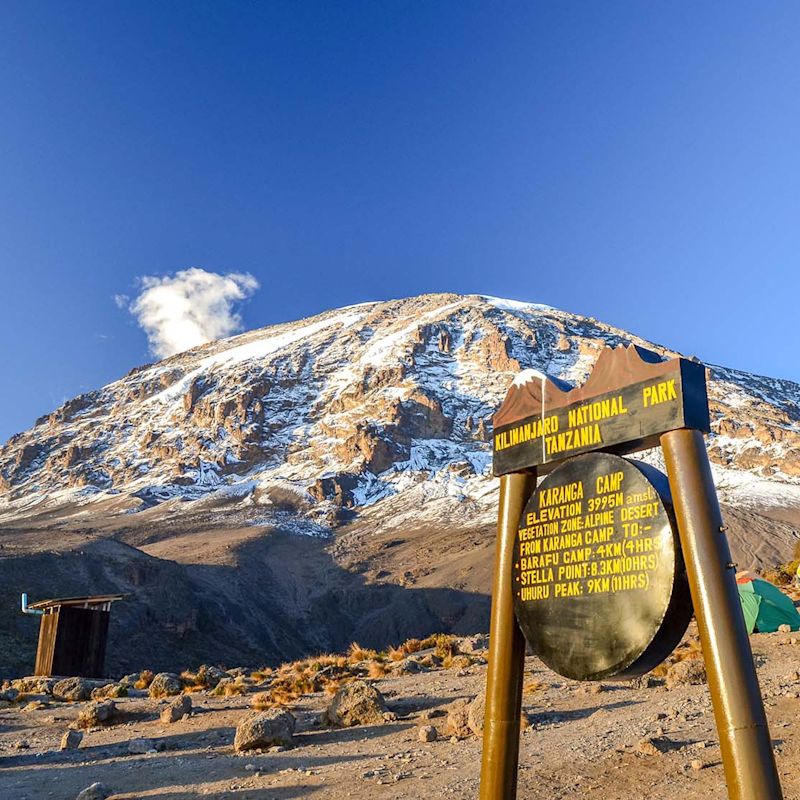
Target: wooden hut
73	635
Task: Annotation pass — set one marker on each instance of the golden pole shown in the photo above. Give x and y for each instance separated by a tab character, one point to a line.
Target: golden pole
735	695
506	651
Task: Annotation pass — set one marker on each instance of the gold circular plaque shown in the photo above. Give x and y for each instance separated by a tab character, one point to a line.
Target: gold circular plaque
600	587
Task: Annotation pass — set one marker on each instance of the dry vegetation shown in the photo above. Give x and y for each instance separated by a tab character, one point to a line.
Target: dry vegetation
327	672
785	574
145	679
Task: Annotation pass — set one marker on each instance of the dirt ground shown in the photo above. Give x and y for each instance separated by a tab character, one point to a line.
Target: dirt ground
581	742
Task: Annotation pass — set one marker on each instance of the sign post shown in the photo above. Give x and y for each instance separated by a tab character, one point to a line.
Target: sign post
506	651
735	695
597	549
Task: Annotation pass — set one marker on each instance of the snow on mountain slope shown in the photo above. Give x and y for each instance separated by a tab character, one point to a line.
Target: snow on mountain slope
381	403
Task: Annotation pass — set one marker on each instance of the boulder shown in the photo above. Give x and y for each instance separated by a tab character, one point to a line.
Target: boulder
210	676
458	719
427	733
356	703
263	729
476	713
34	685
72	690
97	713
473	644
223	686
9	695
646	681
408	666
165	684
110	690
690	672
177	709
94	792
237	672
71	740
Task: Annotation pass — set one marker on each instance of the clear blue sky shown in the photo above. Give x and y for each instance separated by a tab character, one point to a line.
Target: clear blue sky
637	162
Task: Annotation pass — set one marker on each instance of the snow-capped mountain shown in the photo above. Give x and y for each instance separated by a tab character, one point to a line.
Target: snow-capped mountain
349	408
368	427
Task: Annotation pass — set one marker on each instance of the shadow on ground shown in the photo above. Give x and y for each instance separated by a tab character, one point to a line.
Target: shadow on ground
284	597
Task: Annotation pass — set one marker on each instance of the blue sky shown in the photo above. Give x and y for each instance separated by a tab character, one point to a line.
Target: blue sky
636	162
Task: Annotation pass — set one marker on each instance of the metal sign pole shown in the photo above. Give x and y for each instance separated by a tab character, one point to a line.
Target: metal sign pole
506	651
738	709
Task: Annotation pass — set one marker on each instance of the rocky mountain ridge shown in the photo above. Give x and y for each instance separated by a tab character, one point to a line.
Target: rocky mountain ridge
347	408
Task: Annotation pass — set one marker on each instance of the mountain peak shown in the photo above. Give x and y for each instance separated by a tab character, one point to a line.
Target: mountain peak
346	409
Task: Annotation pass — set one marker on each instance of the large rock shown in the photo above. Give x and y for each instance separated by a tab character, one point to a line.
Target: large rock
265	729
210	676
177	709
94	792
110	690
427	733
34	685
478	643
356	703
130	680
458	719
476	714
165	684
98	713
71	740
689	672
72	690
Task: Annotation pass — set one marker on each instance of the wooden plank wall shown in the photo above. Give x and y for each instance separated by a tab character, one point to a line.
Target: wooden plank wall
72	641
47	644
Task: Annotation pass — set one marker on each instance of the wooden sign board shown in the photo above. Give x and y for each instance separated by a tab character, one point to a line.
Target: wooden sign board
600	587
593	573
630	399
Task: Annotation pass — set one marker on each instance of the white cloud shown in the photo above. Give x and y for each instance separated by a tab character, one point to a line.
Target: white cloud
190	308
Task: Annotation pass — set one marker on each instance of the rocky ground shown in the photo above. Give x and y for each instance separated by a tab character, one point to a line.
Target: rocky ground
609	740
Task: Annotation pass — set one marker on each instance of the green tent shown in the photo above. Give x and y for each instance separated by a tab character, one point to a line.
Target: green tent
765	606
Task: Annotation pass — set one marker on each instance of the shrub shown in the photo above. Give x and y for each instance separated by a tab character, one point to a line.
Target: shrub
262	701
376	669
358	653
396	653
145	679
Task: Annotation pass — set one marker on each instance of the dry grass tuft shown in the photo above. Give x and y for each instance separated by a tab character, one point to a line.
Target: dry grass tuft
445	645
193	681
377	669
531	687
145	679
261	701
396	653
784	575
358	653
